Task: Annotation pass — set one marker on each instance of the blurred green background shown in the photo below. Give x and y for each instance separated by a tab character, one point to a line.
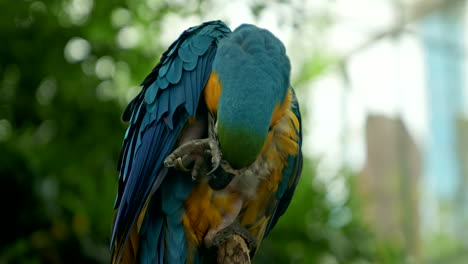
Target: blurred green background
68	69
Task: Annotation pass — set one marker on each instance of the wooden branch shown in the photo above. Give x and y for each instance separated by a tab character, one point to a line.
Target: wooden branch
233	250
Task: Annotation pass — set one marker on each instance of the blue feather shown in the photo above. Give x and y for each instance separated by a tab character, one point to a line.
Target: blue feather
152	108
196	50
151	234
156	124
186	55
175	72
202	43
150	94
164	68
162	82
189	104
176	190
190	65
136	115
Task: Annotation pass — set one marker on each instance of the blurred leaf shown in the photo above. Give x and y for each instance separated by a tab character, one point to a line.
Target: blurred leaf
65	77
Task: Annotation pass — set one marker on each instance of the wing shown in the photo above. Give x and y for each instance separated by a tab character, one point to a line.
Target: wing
157	115
290	175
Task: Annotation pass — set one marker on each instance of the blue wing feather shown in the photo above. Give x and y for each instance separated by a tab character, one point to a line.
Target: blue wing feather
152	225
158	113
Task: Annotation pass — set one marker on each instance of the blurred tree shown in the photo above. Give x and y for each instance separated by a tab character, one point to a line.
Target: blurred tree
67	69
59	128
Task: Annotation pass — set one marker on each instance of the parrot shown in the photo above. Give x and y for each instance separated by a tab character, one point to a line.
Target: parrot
212	149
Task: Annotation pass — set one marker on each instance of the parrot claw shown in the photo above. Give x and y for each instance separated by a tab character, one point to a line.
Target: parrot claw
234	229
193	155
215	155
215	167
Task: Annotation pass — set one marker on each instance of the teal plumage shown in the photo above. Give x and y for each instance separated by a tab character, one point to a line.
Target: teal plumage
157	115
152	199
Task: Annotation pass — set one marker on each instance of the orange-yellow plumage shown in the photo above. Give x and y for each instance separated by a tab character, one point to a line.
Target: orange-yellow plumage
205	209
281	108
200	213
212	92
285	145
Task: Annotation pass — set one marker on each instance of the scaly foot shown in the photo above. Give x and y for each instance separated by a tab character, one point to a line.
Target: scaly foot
233	229
196	152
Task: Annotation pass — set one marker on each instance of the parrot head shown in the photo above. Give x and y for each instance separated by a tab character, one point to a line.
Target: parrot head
253	71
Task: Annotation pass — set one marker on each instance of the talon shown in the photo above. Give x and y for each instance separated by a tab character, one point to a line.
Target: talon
215	156
180	165
215	167
235	229
197	151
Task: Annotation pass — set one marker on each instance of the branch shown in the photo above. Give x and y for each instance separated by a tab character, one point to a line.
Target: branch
413	13
233	250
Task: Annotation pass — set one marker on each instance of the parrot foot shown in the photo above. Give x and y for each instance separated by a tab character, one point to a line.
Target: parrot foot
196	152
232	230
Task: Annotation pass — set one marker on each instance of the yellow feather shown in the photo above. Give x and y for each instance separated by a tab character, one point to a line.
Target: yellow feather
285	138
212	92
280	109
200	213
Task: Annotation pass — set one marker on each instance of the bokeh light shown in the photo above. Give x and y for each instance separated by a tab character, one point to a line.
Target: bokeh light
77	49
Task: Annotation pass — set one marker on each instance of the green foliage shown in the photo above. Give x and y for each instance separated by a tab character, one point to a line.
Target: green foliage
316	65
60	131
60	135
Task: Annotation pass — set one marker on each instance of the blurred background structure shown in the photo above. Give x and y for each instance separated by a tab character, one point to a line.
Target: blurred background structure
381	84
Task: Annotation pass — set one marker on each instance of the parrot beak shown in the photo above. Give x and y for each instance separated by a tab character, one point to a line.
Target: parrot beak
219	178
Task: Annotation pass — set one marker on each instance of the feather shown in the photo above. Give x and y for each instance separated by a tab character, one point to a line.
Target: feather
164	68
151	136
190	65
162	82
150	94
291	172
186	55
175	71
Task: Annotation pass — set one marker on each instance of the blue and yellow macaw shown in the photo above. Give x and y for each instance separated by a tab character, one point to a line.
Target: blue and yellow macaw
219	101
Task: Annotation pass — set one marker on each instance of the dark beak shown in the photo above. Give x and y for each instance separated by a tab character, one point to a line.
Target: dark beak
219	178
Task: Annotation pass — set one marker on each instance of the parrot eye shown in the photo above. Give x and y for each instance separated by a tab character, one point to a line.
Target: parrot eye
220	178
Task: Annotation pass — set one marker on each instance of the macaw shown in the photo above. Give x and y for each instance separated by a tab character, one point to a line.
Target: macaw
213	147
